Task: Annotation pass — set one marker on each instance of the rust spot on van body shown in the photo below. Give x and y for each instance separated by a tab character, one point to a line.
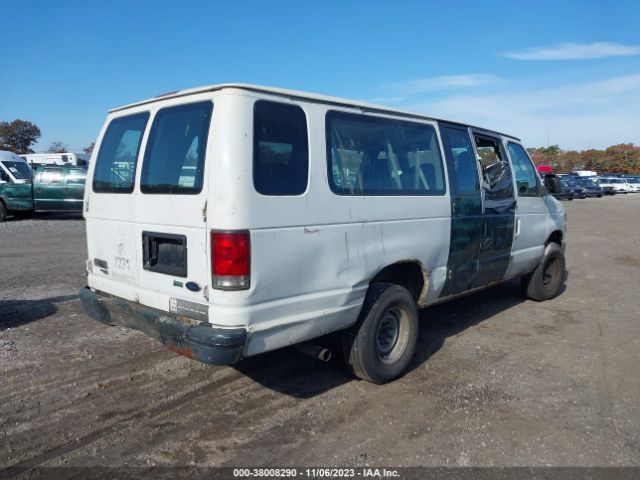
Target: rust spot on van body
425	286
184	351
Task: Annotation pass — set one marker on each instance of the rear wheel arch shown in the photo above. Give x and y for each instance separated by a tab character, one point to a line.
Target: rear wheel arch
555	237
410	274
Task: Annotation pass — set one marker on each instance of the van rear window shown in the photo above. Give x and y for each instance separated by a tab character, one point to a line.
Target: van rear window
378	156
116	164
174	159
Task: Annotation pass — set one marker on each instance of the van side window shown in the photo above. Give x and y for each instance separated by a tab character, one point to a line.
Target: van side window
464	174
116	163
527	181
379	156
51	176
174	158
280	149
496	173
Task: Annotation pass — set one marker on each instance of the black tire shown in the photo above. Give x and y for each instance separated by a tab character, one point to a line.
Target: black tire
3	211
545	282
379	347
599	196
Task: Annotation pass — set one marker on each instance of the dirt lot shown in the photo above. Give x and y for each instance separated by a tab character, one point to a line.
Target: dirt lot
497	380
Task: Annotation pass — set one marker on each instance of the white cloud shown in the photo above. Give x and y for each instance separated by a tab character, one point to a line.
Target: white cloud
575	51
593	114
445	82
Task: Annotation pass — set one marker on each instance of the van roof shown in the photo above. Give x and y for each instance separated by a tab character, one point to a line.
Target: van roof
313	97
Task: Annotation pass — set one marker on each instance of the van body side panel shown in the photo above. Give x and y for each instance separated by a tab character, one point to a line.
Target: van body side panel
529	236
530	230
312	255
556	216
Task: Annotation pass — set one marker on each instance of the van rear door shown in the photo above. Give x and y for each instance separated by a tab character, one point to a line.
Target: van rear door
146	224
110	206
170	211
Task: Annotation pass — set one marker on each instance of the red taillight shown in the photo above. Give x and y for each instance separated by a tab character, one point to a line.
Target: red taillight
230	260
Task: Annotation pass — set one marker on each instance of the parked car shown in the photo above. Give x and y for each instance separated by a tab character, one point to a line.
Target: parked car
589	187
612	185
633	183
578	191
50	188
571	180
558	189
286	216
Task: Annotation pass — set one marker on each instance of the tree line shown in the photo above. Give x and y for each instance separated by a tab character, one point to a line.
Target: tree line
19	136
620	158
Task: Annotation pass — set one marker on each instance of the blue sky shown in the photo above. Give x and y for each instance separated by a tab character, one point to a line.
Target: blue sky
566	72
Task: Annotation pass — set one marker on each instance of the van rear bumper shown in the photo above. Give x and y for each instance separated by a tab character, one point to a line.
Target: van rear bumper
184	336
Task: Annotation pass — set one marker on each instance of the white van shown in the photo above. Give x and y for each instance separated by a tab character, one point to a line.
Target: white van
65	158
232	220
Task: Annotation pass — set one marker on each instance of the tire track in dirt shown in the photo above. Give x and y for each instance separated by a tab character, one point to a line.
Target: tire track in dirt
160	409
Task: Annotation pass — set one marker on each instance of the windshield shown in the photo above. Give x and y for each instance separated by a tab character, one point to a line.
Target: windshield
19	170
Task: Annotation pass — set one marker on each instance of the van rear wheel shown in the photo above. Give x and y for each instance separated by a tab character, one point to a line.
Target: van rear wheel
545	281
381	344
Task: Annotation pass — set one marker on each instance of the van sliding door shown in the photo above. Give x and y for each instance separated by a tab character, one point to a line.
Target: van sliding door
498	210
466	210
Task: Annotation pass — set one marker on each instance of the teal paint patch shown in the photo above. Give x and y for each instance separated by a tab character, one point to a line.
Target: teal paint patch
481	241
495	248
178	283
466	211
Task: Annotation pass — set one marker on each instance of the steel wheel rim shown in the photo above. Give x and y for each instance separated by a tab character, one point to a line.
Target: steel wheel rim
392	335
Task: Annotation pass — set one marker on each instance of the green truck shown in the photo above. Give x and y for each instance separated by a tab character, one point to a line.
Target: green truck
49	189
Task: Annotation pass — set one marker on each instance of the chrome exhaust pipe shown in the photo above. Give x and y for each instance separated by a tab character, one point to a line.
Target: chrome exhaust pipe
315	351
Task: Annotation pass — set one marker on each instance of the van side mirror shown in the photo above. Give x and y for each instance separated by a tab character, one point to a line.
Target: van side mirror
4	176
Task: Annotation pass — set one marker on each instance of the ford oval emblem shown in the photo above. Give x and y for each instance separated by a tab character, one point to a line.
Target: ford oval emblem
193	286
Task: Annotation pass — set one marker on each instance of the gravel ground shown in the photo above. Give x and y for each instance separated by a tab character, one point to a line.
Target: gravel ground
497	380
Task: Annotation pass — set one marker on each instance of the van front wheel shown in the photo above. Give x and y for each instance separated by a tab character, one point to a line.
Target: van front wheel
381	344
545	281
3	212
